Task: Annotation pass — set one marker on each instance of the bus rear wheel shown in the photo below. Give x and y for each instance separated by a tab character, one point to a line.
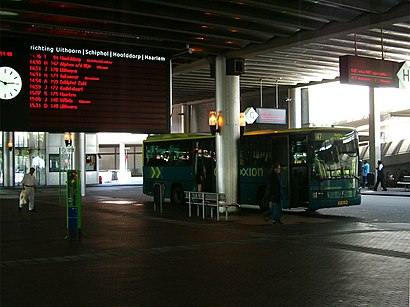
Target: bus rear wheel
177	194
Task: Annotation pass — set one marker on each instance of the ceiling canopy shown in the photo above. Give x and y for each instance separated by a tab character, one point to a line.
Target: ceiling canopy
283	42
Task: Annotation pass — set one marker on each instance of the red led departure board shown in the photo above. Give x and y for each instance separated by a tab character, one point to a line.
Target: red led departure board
367	71
83	88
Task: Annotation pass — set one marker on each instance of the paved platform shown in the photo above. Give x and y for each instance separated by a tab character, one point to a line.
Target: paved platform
130	255
401	191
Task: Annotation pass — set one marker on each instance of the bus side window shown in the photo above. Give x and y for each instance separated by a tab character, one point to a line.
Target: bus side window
149	156
255	151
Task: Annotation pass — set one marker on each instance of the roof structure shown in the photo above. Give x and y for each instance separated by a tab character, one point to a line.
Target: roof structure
283	42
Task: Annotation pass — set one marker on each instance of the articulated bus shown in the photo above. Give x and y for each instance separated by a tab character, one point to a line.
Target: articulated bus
320	166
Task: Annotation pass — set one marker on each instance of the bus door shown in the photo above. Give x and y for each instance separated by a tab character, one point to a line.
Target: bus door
280	154
203	166
298	171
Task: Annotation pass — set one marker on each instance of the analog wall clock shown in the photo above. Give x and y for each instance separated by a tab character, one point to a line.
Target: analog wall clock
10	83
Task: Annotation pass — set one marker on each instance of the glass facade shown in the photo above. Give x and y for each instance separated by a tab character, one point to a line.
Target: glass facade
29	151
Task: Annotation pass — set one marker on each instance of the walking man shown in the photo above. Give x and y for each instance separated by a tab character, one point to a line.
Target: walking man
380	176
365	171
29	184
274	195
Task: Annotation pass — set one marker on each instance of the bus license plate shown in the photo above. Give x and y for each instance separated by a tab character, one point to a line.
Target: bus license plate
342	202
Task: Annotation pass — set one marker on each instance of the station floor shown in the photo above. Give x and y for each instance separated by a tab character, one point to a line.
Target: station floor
130	255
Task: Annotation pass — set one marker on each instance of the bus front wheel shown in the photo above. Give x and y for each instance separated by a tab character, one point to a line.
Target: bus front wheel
177	194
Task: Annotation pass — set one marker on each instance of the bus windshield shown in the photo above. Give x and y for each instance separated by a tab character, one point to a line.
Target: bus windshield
335	154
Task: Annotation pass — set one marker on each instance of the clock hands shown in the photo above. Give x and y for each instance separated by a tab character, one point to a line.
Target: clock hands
5	82
10	83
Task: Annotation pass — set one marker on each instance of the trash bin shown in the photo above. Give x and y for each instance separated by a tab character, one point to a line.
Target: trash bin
114	176
159	195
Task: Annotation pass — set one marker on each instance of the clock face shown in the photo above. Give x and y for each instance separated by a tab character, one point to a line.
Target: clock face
10	83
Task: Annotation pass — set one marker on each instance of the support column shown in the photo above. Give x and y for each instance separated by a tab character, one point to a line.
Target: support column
227	94
8	160
123	175
122	158
79	163
374	131
304	101
294	108
170	94
186	118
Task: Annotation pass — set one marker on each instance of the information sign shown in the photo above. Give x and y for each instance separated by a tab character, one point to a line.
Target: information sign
250	115
367	71
271	116
404	75
84	88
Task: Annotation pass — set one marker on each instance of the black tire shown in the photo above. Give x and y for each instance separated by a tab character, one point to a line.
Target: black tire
177	194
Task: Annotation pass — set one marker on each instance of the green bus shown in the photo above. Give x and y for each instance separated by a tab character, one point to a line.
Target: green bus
320	166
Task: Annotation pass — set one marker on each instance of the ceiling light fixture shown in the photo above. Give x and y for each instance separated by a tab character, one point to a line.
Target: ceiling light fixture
188	50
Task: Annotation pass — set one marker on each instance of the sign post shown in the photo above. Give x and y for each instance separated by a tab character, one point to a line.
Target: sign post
73	202
250	115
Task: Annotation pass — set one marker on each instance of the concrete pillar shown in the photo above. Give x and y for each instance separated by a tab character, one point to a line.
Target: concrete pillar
170	94
79	160
230	136
304	95
8	160
123	174
81	152
122	158
227	95
220	72
294	108
186	118
47	142
374	131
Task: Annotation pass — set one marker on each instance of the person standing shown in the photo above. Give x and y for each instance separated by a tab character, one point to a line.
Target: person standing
274	195
29	184
365	171
380	176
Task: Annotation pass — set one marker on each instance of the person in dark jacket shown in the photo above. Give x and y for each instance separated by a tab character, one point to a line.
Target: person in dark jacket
381	178
365	172
273	195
